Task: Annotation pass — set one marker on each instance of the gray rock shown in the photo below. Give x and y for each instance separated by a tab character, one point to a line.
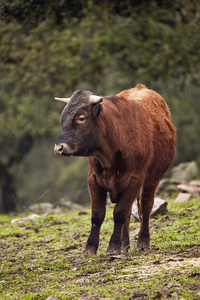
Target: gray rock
185	172
190	187
182	197
52	297
170	285
41	208
159	207
25	219
195	182
182	173
167	187
135	231
66	203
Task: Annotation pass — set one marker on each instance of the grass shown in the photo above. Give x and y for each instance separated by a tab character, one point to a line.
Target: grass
44	257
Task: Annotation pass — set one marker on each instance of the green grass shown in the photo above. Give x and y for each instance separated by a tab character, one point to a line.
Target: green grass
44	257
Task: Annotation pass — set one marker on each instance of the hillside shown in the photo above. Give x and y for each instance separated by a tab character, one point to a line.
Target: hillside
43	258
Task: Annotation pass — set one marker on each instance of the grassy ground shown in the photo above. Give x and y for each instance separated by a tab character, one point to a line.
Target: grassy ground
44	257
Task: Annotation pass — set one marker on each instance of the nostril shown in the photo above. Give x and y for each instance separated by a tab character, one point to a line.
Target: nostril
60	148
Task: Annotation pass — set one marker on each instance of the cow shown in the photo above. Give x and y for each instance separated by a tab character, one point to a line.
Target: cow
130	143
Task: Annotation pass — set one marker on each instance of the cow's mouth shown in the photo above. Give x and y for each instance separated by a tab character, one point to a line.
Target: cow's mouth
63	149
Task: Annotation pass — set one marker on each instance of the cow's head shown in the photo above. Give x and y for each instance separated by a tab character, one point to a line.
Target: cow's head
79	134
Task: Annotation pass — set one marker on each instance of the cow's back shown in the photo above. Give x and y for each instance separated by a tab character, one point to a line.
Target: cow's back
154	103
149	98
163	131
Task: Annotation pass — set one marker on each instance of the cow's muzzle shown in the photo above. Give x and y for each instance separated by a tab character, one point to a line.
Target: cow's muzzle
62	149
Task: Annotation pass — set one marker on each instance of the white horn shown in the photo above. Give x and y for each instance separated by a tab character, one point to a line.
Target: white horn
64	100
95	99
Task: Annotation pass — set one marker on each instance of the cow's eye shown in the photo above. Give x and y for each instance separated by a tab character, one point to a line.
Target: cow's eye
81	119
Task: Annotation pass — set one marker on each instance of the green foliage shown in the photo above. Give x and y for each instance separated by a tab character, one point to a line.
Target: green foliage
51	48
94	54
185	109
76	173
50	177
100	52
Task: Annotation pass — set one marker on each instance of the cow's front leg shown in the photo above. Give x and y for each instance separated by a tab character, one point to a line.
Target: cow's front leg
120	236
125	246
98	205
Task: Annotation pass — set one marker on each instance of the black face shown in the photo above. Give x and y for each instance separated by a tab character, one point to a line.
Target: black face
79	134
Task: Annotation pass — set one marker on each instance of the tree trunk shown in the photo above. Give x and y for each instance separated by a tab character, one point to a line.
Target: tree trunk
8	192
7	175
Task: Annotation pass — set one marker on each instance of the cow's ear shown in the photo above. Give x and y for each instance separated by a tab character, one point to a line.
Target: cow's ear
97	110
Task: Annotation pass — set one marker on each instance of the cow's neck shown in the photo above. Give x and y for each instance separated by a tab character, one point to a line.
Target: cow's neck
108	168
105	158
109	159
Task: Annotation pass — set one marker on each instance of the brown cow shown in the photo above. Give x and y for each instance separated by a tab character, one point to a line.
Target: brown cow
130	143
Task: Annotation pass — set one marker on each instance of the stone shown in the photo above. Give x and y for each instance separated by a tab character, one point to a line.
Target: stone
52	297
159	207
180	174
193	189
41	208
66	203
117	257
135	231
185	172
167	187
25	219
182	197
195	182
138	295
135	211
170	285
106	298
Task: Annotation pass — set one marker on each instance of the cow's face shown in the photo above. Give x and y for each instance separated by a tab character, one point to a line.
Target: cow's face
79	134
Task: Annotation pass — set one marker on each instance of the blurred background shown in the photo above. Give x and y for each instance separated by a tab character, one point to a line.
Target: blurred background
52	48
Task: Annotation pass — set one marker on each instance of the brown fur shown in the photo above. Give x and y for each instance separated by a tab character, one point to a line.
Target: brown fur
137	146
130	143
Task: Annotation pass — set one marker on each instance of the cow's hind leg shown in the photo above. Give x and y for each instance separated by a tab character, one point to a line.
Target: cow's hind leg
121	214
146	204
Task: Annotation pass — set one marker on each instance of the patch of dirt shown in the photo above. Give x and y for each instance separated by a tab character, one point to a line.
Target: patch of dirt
49	254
